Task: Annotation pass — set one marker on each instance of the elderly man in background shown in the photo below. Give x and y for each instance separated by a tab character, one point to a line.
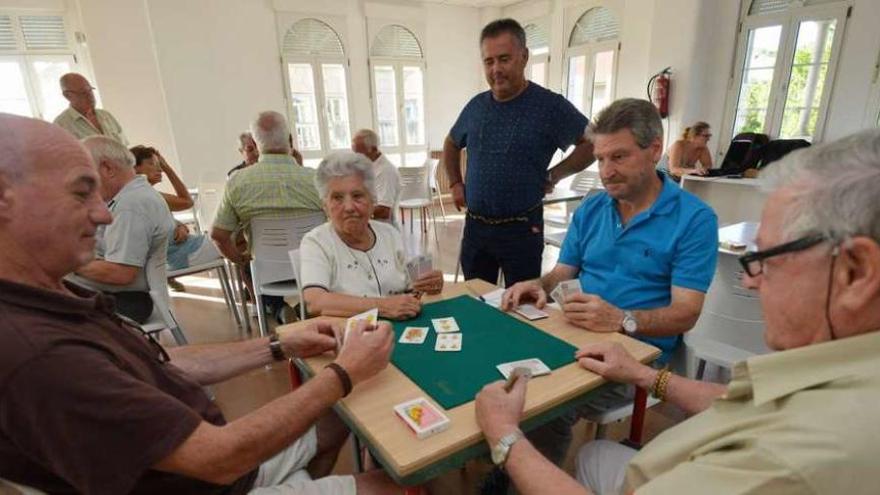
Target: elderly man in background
275	186
272	187
81	118
248	150
89	404
794	421
511	133
387	180
139	233
352	264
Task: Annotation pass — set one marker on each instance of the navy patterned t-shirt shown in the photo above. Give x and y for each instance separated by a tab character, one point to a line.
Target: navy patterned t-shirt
509	146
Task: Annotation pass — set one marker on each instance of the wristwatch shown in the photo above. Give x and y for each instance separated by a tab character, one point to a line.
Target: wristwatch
630	324
275	348
502	449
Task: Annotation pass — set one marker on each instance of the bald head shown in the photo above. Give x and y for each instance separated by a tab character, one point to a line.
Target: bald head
50	208
78	91
31	146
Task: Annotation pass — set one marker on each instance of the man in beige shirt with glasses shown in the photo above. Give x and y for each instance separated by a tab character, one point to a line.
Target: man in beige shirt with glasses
81	118
801	420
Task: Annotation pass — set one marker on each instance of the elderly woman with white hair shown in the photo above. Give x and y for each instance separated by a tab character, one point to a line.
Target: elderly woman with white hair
352	264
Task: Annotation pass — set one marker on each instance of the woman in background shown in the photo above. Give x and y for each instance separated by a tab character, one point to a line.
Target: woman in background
690	154
184	249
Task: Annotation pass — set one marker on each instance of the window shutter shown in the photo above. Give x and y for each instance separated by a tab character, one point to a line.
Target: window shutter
396	41
7	36
312	37
43	32
597	24
536	37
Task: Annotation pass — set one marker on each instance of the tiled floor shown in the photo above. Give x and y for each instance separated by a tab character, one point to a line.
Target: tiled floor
205	318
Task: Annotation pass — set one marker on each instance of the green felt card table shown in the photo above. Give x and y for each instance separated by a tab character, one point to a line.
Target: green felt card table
453	378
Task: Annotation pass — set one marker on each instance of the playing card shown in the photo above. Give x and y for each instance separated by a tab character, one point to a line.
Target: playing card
448	342
412	268
445	325
570	287
422	417
414	335
371	317
535	365
530	312
557	294
493	298
426	264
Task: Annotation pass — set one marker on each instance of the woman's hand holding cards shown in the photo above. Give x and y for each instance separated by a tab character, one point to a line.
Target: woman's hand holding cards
400	307
429	283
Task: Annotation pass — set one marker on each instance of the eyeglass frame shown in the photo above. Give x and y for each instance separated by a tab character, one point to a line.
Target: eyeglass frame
794	246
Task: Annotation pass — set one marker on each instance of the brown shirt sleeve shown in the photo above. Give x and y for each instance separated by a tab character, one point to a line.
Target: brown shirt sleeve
85	418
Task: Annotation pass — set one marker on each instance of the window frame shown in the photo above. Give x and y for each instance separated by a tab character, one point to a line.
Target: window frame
25	58
790	21
589	51
403	147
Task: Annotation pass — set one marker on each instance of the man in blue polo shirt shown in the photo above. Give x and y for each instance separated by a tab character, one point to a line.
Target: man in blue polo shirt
644	250
511	133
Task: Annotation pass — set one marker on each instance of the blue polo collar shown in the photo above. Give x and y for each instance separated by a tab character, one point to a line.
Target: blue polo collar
665	202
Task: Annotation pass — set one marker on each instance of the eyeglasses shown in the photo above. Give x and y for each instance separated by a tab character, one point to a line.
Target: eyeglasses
753	261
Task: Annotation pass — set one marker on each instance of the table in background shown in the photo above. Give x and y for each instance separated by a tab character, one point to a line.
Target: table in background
368	410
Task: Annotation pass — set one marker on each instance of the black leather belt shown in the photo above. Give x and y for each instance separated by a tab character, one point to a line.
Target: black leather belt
520	218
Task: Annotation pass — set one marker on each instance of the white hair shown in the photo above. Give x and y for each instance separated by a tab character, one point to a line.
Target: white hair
371	140
244	137
345	164
836	187
105	149
271	133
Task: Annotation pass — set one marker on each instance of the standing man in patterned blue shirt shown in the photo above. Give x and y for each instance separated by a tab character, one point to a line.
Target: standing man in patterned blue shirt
511	133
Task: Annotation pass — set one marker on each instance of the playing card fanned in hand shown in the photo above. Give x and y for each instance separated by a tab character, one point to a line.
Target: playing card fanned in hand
371	317
565	289
418	266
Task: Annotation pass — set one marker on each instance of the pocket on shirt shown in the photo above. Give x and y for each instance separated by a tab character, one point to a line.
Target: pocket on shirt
649	263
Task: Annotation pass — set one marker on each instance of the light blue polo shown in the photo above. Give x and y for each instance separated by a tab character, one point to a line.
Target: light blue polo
634	266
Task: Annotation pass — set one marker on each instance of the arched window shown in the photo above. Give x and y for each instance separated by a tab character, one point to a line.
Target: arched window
592	60
398	71
35	51
785	64
317	88
538	43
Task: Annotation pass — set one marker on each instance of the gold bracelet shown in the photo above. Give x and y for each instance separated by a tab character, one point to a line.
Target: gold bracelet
661	381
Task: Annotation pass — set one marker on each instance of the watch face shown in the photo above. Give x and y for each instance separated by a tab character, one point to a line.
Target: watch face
499	453
629	324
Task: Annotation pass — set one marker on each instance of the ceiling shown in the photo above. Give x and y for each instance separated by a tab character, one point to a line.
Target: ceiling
475	3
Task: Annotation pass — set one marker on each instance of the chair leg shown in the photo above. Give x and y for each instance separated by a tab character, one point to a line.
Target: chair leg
701	369
410	221
636	427
178	335
261	316
228	294
356	451
442	208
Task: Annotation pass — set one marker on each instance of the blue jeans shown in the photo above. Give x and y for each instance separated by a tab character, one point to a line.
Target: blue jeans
515	248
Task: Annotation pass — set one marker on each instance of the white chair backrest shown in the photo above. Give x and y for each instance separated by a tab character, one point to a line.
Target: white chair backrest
432	164
273	238
585	181
414	183
156	271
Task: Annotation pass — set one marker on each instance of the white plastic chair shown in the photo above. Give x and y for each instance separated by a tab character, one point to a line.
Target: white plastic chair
271	270
434	165
586	182
731	324
162	317
415	194
295	262
190	216
220	267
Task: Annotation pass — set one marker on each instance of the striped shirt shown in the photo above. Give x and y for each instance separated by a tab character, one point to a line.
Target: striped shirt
275	186
76	123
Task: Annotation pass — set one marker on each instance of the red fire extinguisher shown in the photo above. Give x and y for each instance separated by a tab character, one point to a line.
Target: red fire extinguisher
658	91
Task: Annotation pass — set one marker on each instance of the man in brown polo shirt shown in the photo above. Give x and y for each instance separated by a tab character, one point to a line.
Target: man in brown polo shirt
88	404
